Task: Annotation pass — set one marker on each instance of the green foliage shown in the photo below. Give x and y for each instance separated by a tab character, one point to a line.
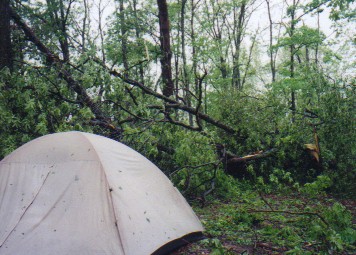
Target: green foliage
281	180
216	246
286	224
339	234
342	9
302	37
319	186
38	100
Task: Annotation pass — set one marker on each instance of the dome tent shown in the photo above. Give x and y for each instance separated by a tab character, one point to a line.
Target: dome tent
79	193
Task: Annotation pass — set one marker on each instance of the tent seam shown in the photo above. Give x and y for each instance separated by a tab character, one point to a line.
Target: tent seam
110	196
6	187
23	214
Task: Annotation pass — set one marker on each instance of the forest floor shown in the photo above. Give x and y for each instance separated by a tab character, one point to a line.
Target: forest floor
276	224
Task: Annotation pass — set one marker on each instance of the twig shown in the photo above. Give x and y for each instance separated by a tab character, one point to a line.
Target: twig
172	103
193	167
264	200
293	213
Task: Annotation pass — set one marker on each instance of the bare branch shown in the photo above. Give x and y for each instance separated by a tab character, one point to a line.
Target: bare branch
292	213
172	103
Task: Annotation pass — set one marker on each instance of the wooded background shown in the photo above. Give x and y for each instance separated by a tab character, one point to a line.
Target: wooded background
196	86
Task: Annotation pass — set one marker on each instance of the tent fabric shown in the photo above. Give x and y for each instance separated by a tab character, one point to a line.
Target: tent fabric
79	193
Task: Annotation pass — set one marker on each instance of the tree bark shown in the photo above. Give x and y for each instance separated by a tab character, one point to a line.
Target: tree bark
255	156
238	27
166	52
184	57
101	32
292	28
272	62
6	55
59	15
123	36
63	27
83	34
194	55
138	36
317	46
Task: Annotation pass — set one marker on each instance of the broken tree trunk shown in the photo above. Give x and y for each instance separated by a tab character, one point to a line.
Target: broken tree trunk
237	166
254	156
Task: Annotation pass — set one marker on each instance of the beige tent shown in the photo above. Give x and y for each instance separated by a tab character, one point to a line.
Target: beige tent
79	193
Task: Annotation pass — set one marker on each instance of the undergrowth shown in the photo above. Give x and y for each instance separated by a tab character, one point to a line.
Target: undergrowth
276	220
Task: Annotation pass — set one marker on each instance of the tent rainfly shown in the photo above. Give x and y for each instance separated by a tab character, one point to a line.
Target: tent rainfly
79	193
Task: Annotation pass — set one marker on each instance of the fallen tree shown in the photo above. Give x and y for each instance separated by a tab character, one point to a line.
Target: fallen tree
237	165
169	105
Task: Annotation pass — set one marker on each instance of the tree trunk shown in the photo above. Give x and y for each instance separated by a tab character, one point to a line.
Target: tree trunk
85	18
63	39
123	36
6	56
236	73
292	28
317	46
272	62
222	68
59	14
194	50
166	57
138	36
184	57
101	32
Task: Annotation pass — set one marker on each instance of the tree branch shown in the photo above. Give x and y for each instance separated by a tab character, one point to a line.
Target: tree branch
173	103
54	60
250	157
292	213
